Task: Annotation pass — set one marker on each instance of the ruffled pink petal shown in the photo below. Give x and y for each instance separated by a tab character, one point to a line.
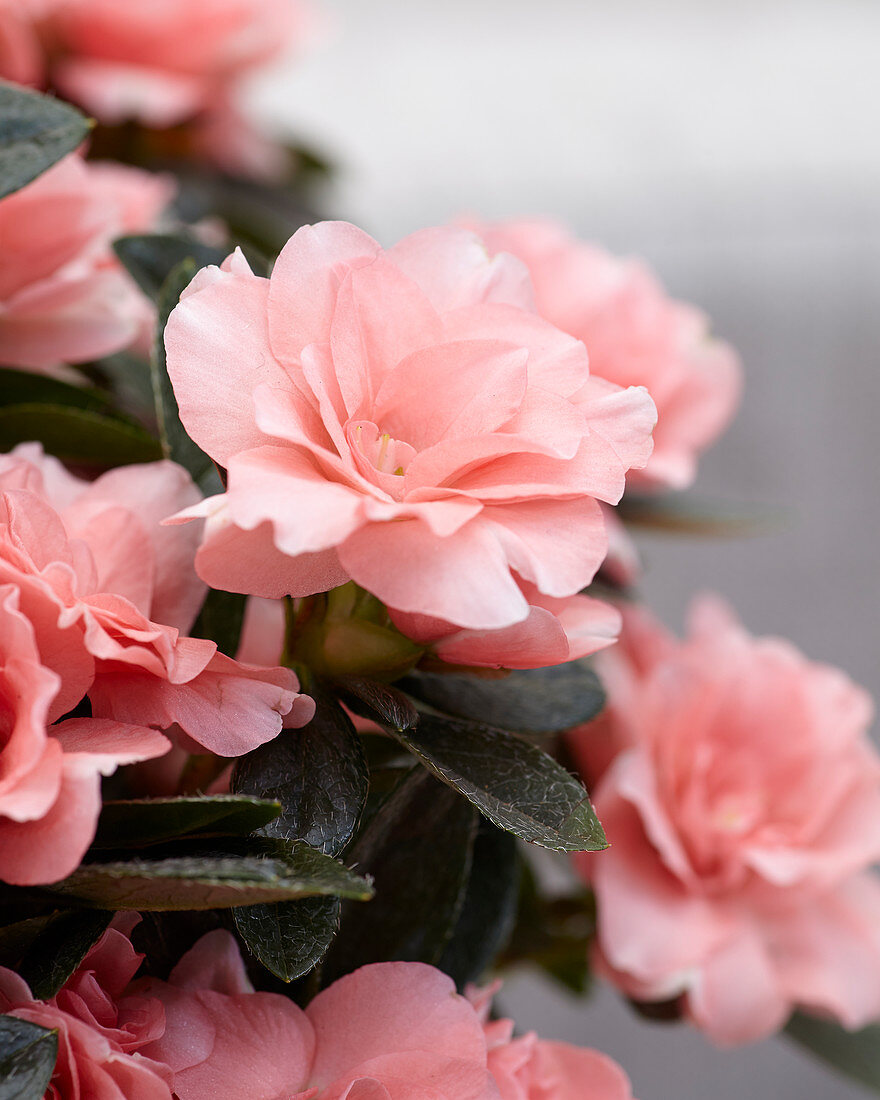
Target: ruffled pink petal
116	91
217	345
454	269
464	578
305	283
228	708
401	1024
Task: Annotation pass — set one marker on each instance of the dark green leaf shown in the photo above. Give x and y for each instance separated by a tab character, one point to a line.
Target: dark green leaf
213	881
379	702
176	444
150	258
289	938
855	1053
489	910
418	849
27	1059
221	620
19	387
318	774
138	823
516	785
82	436
688	515
59	950
35	132
540	700
17	936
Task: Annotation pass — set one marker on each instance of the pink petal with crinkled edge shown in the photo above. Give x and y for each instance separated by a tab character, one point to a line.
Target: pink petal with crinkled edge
229	708
218	352
305	283
401	1024
454	269
464	578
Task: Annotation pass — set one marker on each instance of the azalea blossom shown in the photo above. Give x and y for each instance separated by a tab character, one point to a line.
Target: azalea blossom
163	62
389	1031
95	600
635	335
64	298
402	419
742	806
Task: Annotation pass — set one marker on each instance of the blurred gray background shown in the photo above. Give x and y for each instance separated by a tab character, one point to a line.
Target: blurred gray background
735	145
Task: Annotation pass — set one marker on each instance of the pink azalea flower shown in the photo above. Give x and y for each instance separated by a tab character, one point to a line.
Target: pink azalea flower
22	58
390	1031
444	446
63	296
96	597
636	336
162	62
743	812
100	1033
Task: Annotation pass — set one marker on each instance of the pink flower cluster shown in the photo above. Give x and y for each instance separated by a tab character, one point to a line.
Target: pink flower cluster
404	419
95	601
390	1031
742	804
636	336
63	296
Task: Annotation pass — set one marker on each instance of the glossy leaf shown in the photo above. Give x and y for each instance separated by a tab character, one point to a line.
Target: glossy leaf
540	700
142	822
24	387
516	785
685	514
489	909
78	435
289	938
176	444
150	258
35	132
318	774
379	702
418	849
276	871
60	948
221	619
855	1053
27	1058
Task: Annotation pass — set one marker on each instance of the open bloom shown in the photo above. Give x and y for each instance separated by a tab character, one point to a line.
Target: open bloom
162	62
95	598
402	419
391	1031
635	335
63	296
743	812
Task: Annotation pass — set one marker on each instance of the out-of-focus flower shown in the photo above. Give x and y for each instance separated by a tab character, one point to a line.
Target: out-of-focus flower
635	336
529	1068
100	1032
22	59
743	812
162	62
63	296
444	445
95	598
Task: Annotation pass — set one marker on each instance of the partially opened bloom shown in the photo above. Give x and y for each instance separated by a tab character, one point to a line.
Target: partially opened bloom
63	296
162	62
96	597
635	335
743	813
399	418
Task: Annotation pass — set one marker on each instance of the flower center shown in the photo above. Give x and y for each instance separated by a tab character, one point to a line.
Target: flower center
379	456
